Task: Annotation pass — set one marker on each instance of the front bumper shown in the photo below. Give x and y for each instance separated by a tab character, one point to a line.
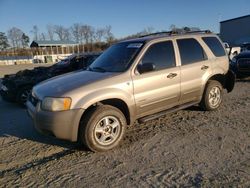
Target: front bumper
7	94
63	124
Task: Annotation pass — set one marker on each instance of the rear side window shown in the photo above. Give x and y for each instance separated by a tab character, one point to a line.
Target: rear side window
161	54
190	51
215	46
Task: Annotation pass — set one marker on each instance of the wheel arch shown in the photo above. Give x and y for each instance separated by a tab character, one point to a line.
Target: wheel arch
226	80
115	102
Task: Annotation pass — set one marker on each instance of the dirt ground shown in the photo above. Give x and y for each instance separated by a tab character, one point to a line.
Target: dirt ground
190	148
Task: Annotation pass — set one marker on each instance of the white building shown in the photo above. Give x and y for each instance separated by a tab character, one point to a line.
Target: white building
235	31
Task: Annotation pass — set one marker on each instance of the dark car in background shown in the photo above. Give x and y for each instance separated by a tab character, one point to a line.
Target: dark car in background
17	87
240	64
245	47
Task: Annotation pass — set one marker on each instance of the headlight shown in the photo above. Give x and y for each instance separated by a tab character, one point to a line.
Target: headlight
4	88
56	104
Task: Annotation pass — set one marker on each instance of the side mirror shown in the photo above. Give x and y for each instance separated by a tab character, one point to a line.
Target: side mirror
145	67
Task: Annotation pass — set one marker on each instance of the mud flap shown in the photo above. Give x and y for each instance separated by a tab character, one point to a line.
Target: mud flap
230	81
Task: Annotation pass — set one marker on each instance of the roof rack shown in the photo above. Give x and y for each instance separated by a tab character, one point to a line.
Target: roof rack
202	31
169	33
159	33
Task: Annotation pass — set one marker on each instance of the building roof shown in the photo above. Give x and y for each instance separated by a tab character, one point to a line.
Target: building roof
235	18
37	43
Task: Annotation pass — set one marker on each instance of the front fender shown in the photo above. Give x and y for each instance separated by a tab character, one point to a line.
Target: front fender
104	94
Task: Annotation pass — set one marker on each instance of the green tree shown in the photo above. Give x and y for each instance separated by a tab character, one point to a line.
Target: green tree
3	41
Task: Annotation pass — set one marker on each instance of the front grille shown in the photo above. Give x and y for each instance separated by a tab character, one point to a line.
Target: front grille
244	64
33	100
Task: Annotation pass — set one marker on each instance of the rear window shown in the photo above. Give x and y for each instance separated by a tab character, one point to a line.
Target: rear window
215	46
190	51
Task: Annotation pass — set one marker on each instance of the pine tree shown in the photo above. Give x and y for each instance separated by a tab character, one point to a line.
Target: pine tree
25	40
3	41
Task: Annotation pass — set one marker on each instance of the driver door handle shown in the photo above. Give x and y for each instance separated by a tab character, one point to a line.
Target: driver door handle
171	75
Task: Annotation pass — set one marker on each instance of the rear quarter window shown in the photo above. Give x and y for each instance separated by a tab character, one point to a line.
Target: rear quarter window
215	46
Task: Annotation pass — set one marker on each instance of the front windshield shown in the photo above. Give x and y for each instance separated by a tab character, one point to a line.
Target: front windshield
117	58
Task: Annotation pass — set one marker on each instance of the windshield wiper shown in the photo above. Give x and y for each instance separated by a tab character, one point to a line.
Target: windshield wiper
98	69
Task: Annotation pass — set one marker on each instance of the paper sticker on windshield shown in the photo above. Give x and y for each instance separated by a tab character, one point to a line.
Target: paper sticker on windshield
135	45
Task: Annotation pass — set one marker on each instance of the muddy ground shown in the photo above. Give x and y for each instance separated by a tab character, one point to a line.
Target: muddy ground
190	148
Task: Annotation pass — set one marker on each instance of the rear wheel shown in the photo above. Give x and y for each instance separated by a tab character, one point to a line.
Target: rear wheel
23	94
102	128
212	97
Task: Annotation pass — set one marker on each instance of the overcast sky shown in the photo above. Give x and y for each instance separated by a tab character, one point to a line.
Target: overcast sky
125	16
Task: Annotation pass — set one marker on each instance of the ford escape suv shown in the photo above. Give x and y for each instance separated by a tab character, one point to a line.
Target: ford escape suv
137	79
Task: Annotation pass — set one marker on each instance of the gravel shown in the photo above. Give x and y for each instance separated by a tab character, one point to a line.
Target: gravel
190	148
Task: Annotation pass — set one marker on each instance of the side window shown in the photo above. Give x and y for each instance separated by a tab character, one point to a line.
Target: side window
215	46
190	51
161	54
76	62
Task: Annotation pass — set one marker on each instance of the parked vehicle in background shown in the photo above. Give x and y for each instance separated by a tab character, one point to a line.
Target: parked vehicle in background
240	64
138	79
36	61
17	87
245	47
232	51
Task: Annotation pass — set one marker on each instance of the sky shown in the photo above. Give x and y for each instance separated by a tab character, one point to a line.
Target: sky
125	16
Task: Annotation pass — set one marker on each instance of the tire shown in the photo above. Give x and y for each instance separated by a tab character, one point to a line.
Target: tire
212	96
23	94
102	128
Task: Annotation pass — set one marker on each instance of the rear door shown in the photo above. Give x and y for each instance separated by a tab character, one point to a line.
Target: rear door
158	89
195	67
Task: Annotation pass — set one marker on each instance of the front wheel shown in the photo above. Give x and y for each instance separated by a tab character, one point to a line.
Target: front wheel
23	94
212	97
102	128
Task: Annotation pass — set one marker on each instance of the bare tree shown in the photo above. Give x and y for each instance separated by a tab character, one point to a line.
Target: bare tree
183	29
108	34
35	32
62	32
76	32
15	36
172	27
86	33
147	30
50	31
42	37
99	34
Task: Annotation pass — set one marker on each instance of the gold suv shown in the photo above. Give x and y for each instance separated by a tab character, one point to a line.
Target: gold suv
138	79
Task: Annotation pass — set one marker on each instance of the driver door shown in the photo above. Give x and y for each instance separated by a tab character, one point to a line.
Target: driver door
158	89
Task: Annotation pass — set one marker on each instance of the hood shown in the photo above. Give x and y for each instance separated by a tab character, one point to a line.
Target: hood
58	86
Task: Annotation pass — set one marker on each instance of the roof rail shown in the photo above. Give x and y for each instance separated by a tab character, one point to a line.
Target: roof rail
159	33
202	31
175	33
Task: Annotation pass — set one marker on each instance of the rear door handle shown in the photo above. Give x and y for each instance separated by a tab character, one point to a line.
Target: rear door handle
204	67
171	75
